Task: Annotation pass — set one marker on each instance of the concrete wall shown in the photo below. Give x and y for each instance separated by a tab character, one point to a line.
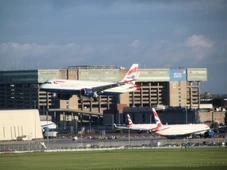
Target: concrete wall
16	123
173	90
178	93
209	116
141	115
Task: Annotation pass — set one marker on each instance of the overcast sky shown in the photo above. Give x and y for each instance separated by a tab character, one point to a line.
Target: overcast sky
153	33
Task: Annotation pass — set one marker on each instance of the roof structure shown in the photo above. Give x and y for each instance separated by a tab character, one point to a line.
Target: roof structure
93	67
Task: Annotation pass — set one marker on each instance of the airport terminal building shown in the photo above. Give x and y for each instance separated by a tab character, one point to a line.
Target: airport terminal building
19	89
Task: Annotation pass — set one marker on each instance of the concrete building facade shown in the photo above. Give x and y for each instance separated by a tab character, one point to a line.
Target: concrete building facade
161	86
18	123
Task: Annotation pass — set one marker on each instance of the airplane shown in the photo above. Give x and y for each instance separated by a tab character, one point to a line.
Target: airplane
47	125
66	88
137	127
178	131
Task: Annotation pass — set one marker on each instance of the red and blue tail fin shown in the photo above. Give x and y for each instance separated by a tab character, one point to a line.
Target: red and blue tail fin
130	124
131	74
157	120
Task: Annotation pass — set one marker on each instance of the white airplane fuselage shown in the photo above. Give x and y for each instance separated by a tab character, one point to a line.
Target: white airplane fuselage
182	130
48	124
66	88
75	86
142	127
139	127
177	131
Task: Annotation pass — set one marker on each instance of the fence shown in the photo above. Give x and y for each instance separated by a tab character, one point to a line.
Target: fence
33	146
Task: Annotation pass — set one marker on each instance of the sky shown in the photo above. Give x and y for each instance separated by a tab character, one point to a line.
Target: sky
53	34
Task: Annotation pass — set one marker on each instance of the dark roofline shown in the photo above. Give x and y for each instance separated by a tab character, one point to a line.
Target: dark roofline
93	67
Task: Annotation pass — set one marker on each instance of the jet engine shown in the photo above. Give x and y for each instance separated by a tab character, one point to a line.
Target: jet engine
88	93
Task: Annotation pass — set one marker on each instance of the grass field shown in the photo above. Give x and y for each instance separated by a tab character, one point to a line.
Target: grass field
202	158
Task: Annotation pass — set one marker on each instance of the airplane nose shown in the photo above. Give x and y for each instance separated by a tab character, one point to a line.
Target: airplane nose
42	86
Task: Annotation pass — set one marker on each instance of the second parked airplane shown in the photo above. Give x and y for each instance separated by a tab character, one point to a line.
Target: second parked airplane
178	131
137	127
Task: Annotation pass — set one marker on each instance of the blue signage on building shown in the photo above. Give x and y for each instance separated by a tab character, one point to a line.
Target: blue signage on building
178	74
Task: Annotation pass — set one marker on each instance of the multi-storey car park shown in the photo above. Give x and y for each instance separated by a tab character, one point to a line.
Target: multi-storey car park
19	89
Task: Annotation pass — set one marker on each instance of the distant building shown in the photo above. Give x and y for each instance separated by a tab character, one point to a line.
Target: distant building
18	124
19	89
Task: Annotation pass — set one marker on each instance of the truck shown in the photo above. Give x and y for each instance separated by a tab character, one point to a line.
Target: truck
50	134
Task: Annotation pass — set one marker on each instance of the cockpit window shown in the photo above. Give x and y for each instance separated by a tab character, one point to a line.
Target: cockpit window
48	82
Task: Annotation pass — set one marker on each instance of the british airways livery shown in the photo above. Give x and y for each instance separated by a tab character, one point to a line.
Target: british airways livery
178	131
137	127
47	125
66	88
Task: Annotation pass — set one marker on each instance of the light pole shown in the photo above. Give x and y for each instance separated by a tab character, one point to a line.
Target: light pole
186	114
186	111
90	122
48	130
112	120
35	115
81	136
212	117
79	114
30	137
34	104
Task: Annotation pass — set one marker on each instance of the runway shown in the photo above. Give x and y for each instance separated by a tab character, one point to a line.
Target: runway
110	141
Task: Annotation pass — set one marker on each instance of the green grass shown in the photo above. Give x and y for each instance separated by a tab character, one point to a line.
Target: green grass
176	159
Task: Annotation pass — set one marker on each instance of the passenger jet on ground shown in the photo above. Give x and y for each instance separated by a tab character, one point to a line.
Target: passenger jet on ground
137	127
178	131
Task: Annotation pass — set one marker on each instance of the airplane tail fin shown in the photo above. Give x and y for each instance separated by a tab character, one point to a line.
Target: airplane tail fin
157	120
130	123
132	74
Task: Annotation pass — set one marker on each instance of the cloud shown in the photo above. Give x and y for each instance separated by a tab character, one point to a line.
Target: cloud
199	41
135	44
48	56
180	31
201	46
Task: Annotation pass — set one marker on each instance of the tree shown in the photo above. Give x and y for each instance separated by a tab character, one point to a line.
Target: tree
214	125
218	102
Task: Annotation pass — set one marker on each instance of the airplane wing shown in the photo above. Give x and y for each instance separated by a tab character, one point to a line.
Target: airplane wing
135	128
108	86
121	127
142	129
